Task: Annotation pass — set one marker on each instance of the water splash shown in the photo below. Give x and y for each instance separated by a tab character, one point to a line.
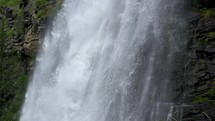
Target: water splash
106	60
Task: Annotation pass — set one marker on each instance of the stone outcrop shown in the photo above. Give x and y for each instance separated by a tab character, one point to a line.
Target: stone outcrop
199	73
32	26
21	28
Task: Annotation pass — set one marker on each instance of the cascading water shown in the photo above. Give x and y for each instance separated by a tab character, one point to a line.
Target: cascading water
107	60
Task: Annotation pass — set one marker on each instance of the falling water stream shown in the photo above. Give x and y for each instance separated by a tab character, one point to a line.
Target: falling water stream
107	60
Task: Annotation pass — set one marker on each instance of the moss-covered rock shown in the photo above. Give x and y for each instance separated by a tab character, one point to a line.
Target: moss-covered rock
20	33
208	12
199	85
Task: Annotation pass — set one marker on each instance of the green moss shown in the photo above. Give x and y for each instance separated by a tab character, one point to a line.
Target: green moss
19	24
211	92
200	99
12	91
47	9
213	82
202	39
206	38
211	34
208	12
45	12
202	61
14	84
41	2
9	33
208	95
13	81
2	36
10	3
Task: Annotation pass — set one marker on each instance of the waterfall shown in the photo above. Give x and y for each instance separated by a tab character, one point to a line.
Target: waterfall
107	60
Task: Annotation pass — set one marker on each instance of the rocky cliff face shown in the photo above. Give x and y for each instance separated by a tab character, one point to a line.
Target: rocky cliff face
22	23
31	18
198	88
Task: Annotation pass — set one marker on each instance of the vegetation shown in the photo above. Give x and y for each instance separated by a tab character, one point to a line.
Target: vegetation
208	12
13	79
206	97
211	34
46	8
204	38
201	99
10	3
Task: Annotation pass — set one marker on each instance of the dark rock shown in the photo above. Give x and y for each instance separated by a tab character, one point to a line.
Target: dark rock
8	12
207	3
199	67
23	3
52	1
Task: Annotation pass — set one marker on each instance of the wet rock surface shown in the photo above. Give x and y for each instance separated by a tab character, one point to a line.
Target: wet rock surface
198	88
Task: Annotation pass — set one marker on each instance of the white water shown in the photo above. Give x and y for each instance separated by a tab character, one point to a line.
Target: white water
106	60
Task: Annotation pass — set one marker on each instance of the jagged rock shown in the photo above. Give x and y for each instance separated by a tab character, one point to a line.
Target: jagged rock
23	3
52	1
8	12
31	42
200	67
